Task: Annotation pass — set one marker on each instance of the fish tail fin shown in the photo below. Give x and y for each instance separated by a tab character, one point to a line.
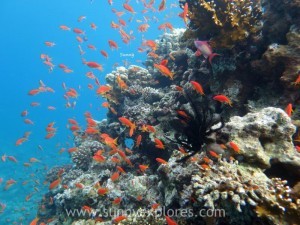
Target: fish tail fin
211	56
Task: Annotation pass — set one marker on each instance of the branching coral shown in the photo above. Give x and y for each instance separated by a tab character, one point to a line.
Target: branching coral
225	22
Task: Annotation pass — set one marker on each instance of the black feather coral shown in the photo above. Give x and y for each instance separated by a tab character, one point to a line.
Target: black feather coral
193	130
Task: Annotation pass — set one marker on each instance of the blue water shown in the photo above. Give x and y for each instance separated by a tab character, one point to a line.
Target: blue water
25	26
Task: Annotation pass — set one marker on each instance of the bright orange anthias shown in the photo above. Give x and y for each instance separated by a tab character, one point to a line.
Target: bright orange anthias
128	7
159	143
198	87
151	44
121	83
163	69
103	90
297	81
98	157
126	122
184	14
289	109
223	99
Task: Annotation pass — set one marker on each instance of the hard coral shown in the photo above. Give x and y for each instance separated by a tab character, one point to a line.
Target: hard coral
225	22
83	156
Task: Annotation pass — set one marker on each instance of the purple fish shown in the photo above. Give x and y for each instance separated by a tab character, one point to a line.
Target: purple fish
204	48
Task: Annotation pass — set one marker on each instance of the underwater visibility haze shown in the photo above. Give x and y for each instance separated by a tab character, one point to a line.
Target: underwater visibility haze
150	112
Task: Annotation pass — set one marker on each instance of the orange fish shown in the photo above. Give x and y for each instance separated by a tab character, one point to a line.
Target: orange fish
24	113
126	122
115	160
35	221
120	169
104	53
197	87
122	22
117	201
155	206
112	44
87	208
54	184
102	191
79	185
165	26
128	7
138	140
114	25
94	65
91	122
20	141
78	31
205	166
119	219
223	99
159	143
121	83
93	26
143	168
150	43
91	130
214	154
34	160
164	70
143	27
34	104
161	161
170	221
289	109
49	43
115	176
184	14
183	114
162	5
207	160
34	92
150	129
297	81
234	146
102	90
63	27
99	158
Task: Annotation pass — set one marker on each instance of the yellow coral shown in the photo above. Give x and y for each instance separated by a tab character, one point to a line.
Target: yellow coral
225	21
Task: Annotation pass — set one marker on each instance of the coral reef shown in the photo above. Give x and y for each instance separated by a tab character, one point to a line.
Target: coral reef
83	156
282	61
269	137
226	23
254	181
